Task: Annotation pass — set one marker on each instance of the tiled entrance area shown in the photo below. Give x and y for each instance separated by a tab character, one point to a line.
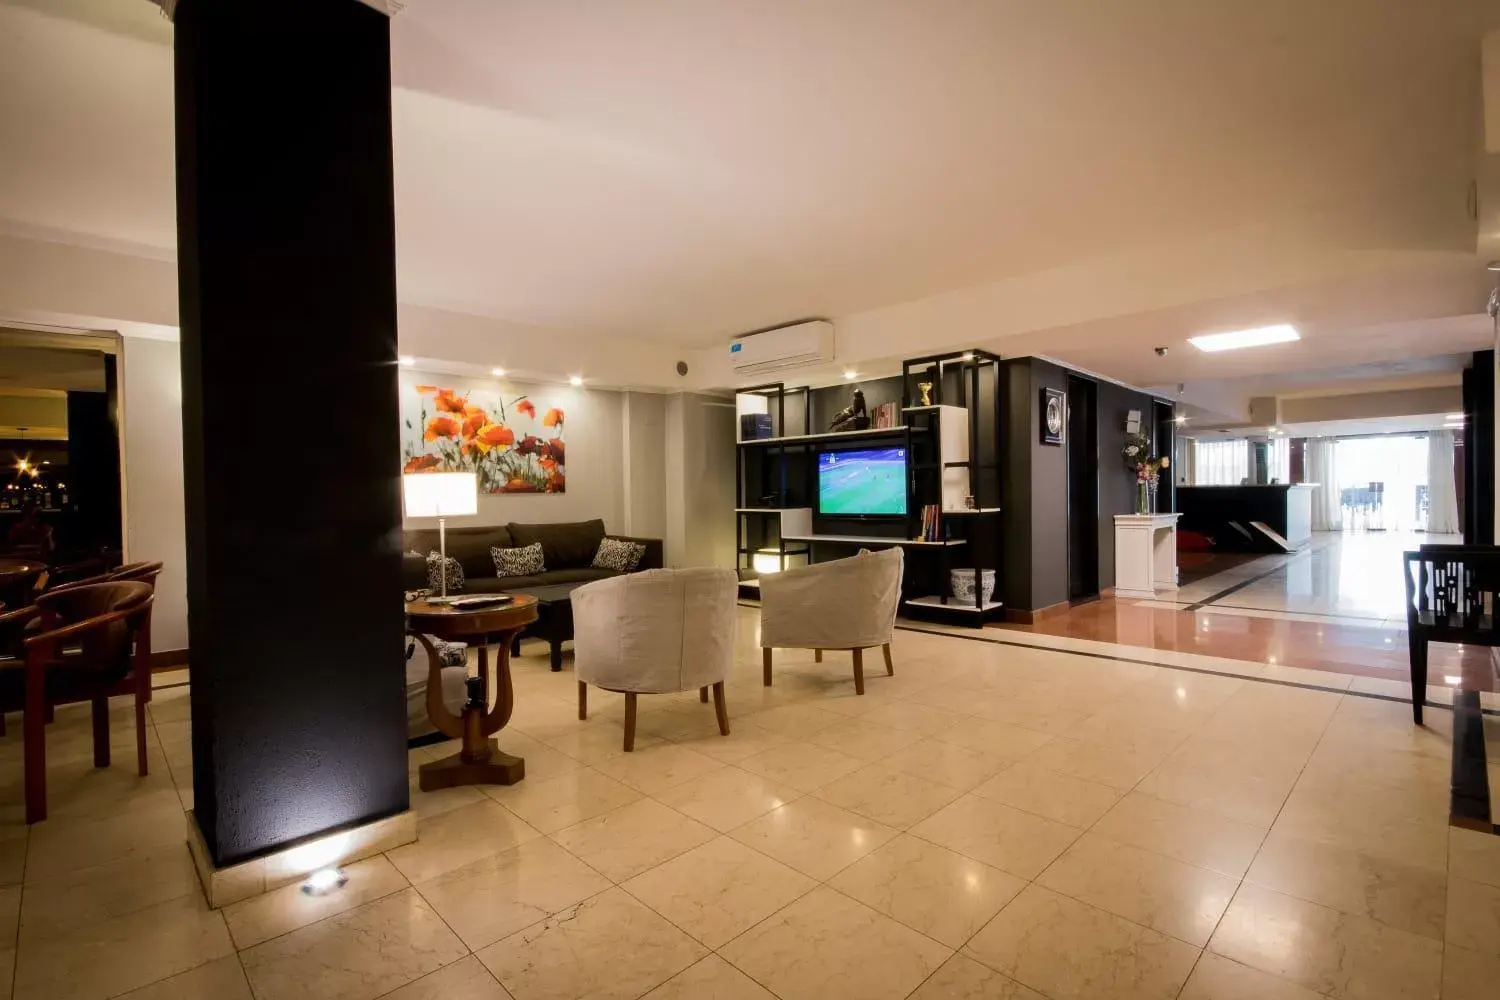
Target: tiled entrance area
994	821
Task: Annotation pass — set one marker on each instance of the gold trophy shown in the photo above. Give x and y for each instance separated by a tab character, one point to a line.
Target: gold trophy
925	388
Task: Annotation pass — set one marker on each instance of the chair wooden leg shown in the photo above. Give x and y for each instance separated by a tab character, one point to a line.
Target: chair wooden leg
100	707
140	736
859	671
1417	647
720	709
817	656
629	721
703	695
48	713
890	668
583	701
34	724
765	669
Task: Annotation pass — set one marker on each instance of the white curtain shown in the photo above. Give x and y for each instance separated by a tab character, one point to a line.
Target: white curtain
1220	463
1279	461
1327	514
1442	496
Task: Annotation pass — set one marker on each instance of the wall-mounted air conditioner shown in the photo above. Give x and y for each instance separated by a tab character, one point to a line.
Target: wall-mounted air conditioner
773	351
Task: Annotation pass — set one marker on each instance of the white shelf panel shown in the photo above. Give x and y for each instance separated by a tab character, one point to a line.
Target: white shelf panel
765	510
953	604
874	540
970	511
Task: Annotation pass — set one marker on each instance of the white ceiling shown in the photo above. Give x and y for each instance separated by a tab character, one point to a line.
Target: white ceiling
674	171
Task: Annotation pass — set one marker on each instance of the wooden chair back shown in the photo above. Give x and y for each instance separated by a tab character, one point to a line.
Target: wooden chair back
1453	593
103	618
145	572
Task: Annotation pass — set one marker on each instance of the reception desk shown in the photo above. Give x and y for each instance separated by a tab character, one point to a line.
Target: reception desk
1145	554
1274	518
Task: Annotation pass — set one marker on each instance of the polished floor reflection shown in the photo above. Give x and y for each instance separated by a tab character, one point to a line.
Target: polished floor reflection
1338	605
994	821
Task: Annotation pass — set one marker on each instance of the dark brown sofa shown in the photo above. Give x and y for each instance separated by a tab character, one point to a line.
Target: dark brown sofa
567	551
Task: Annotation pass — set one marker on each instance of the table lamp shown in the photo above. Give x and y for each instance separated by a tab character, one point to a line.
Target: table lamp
441	495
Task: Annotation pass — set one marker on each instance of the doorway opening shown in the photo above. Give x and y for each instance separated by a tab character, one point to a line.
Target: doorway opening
1083	490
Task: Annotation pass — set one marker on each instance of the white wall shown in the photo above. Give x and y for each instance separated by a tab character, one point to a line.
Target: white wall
700	474
155	528
592	434
644	464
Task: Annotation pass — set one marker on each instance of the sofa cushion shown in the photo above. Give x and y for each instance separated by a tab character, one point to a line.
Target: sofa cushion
618	554
519	584
469	545
569	545
527	560
435	572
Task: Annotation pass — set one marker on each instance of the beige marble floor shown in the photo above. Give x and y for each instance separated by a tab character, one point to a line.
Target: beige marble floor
995	821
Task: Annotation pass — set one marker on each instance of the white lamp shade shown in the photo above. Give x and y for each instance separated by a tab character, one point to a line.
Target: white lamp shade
440	494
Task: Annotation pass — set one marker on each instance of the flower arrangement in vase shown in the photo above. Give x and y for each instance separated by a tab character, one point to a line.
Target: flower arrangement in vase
1137	455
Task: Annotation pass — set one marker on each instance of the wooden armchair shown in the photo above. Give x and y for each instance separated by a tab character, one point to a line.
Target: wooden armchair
1451	596
95	642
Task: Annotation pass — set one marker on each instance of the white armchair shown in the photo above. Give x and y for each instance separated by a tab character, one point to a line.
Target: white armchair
844	604
654	632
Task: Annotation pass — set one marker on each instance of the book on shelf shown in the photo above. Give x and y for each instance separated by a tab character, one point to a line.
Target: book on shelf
755	426
932	523
885	416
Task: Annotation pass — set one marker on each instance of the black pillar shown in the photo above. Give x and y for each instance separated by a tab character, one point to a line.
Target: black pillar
286	267
94	469
1479	449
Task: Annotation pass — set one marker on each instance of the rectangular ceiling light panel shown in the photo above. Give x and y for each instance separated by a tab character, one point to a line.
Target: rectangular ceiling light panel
1236	339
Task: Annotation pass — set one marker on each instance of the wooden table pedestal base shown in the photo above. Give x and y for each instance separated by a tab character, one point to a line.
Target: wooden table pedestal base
494	768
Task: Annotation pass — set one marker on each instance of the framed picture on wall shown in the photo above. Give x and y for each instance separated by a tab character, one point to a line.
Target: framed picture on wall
1054	415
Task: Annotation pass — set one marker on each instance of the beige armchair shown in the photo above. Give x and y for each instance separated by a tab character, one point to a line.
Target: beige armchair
655	632
845	604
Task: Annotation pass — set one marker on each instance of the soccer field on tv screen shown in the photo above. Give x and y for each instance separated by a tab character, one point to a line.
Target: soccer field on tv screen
864	482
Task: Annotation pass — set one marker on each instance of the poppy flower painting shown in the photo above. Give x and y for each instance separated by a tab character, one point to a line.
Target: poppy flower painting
488	430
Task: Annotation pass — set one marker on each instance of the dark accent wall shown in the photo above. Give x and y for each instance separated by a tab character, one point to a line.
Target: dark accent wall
94	469
287	287
1035	522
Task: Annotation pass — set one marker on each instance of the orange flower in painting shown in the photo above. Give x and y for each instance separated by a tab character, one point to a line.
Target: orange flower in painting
527	407
554	418
441	427
547	463
555	450
426	389
473	422
448	401
422	463
495	436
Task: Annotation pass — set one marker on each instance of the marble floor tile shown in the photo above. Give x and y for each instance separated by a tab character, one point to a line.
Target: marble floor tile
273	914
816	838
1218	978
962	978
1474	856
915	718
803	766
728	797
122	953
495	896
1116	767
995	738
718	890
633	838
887	796
609	947
1469	975
1153	890
1066	949
221	979
1250	789
930	889
59	845
797	721
865	740
435	803
711	978
598	742
1337	954
1473	916
89	895
946	763
362	953
1370	820
1388	892
827	945
549	804
658	768
1192	835
455	838
1058	797
1017	842
466	979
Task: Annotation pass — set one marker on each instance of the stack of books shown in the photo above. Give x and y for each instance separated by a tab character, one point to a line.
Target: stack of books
932	523
886	415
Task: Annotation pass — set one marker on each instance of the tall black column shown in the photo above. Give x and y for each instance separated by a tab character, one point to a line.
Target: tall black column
286	251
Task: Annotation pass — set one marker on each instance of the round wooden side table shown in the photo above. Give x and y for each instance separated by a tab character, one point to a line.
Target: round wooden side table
480	762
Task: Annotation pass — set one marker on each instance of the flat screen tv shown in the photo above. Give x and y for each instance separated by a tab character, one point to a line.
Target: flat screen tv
865	482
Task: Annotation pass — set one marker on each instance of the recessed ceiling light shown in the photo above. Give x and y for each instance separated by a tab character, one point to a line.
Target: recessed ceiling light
1272	430
1453	416
1180	419
407	360
850	374
967	356
497	372
575	380
1493	265
1236	339
1450	679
